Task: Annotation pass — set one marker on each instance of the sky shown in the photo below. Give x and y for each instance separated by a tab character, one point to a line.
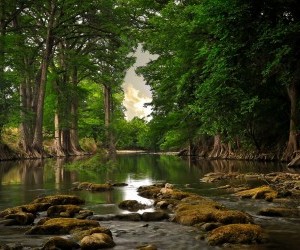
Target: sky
137	93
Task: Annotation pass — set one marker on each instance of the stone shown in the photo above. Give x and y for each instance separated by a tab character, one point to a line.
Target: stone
262	192
94	187
58	226
236	234
280	212
20	218
63	211
81	234
83	214
154	216
129	217
205	210
131	205
149	192
97	241
60	243
210	226
60	200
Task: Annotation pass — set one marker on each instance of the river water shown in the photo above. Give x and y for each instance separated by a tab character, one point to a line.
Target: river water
23	181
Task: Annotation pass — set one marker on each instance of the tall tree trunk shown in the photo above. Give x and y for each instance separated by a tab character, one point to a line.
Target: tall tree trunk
74	138
58	149
110	144
26	129
37	145
219	149
292	145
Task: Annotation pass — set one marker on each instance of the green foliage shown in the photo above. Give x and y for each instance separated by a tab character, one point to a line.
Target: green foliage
221	69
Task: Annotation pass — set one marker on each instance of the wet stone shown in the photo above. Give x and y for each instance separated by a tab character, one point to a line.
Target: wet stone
60	243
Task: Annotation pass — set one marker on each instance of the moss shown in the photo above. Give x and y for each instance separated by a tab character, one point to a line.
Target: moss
208	211
21	218
29	208
174	194
149	191
60	243
63	210
81	234
263	192
131	205
280	212
94	187
236	234
97	241
60	200
58	226
9	211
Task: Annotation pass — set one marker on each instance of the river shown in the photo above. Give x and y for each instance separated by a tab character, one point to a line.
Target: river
23	181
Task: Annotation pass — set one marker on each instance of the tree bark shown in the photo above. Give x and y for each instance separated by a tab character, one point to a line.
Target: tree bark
74	138
219	149
292	145
110	144
37	145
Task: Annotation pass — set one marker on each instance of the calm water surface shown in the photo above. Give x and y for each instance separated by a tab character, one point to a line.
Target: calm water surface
21	182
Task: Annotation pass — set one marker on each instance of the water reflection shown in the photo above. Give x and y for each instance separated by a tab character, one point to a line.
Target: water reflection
25	180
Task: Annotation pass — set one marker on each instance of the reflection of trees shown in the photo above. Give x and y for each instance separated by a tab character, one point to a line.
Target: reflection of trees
5	168
231	166
32	172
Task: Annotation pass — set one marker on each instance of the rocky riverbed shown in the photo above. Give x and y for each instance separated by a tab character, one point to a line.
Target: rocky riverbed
180	220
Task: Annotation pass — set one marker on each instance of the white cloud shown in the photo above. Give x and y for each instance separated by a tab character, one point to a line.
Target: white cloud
134	102
137	93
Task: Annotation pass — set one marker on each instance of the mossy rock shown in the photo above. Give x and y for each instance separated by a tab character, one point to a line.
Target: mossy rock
58	226
155	216
131	205
82	214
20	218
262	192
63	211
236	234
29	208
60	200
97	241
280	212
174	194
94	187
81	234
208	211
128	217
60	243
150	192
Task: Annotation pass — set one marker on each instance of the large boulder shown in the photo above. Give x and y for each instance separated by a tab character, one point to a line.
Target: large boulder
20	218
94	187
63	210
196	211
155	216
60	243
280	212
59	226
97	241
81	234
262	192
60	200
131	205
236	234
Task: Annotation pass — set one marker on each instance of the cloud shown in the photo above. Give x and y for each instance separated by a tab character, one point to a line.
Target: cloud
134	102
137	93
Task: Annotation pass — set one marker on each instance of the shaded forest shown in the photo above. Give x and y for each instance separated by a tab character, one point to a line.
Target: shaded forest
225	81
